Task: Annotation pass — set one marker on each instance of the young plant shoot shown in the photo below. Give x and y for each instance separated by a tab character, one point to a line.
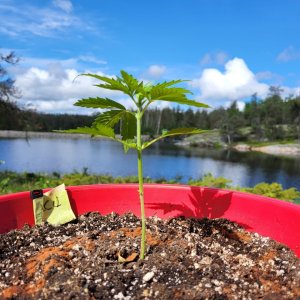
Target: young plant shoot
142	95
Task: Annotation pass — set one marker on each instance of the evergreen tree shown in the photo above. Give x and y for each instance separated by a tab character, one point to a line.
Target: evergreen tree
295	115
232	121
253	116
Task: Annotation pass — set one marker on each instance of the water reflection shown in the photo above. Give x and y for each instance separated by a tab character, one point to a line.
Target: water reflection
160	160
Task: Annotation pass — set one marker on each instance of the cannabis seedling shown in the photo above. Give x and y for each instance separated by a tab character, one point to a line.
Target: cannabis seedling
142	95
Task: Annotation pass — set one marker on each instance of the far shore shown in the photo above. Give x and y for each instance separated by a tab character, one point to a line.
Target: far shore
14	134
291	150
36	134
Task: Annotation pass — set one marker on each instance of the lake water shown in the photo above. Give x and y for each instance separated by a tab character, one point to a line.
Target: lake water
160	160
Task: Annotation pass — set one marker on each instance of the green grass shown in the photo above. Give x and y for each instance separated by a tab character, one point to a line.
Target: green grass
12	182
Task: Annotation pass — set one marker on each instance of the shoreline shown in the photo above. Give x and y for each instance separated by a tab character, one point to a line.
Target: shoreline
14	134
289	150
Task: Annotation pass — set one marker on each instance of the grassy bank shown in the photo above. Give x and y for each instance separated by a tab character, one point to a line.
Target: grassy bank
11	182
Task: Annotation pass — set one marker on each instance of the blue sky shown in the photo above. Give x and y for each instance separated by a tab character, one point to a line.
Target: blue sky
229	49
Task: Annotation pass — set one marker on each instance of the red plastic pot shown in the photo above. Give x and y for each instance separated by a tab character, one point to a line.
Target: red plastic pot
276	219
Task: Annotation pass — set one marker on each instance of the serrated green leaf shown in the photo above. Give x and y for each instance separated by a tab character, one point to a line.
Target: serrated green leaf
95	130
175	94
158	93
128	126
173	132
103	130
110	83
115	87
127	118
110	118
131	82
184	101
184	130
99	103
106	79
166	84
102	78
127	144
81	130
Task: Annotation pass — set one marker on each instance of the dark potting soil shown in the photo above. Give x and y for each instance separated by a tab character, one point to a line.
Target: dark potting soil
96	257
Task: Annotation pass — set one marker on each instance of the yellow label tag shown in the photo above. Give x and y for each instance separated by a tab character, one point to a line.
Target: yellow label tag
54	207
38	204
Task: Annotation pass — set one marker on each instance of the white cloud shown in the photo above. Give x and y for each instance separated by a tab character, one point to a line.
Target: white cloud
236	82
276	79
18	19
92	59
289	54
45	62
218	58
53	89
65	5
241	105
156	70
79	63
288	91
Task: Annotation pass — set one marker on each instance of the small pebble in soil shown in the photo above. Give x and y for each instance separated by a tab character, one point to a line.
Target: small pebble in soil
148	276
185	259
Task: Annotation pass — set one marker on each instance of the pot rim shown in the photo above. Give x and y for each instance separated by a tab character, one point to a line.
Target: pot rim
269	217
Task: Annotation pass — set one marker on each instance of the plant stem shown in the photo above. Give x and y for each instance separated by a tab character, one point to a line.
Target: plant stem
141	187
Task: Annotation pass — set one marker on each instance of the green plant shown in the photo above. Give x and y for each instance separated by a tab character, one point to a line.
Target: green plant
273	190
11	182
210	181
142	95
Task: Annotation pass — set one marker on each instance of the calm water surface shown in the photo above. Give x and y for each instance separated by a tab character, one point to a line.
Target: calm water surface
160	160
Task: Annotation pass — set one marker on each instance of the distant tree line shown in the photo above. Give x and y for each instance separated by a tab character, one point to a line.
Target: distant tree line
269	119
14	118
